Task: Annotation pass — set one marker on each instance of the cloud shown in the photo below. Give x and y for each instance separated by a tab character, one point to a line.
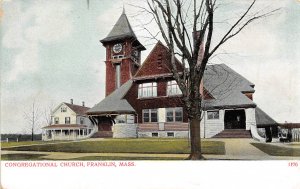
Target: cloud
28	29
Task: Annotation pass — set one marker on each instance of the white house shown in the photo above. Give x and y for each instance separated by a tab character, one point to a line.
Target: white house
68	122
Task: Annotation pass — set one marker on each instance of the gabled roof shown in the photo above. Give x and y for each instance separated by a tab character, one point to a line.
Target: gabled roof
157	64
227	88
220	79
114	103
79	110
122	29
263	119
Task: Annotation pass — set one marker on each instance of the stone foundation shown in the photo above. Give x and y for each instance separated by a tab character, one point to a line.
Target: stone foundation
163	134
124	130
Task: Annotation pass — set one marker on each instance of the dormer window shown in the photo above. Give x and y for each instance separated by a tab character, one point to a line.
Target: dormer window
173	88
147	90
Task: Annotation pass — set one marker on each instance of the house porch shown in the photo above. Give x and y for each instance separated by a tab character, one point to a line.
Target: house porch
53	132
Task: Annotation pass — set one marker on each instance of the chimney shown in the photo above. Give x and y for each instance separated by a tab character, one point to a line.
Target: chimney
71	101
83	103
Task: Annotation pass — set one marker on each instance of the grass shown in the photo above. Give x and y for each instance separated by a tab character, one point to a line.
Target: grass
39	157
277	150
294	144
11	144
28	157
157	146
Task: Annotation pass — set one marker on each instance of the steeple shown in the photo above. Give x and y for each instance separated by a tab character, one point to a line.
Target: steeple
121	30
123	54
123	9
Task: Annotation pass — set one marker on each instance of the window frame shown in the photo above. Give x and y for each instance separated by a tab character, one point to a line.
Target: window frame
63	109
174	117
150	112
171	134
81	120
66	120
56	120
118	75
171	88
213	115
144	89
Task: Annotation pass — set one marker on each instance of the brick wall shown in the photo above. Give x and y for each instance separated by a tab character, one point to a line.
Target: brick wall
128	68
161	101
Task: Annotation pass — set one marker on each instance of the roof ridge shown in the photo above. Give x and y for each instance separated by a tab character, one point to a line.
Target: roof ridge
77	108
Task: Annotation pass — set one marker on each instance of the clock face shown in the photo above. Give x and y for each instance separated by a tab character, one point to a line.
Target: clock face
117	48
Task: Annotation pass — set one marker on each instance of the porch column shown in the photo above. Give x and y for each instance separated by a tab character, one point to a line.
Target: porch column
69	134
61	134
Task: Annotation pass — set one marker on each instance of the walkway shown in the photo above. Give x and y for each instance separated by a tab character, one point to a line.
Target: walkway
241	149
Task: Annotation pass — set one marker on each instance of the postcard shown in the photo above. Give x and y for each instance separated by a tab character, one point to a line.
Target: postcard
150	94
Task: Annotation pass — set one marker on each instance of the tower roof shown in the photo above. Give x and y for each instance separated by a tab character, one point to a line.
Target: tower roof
122	29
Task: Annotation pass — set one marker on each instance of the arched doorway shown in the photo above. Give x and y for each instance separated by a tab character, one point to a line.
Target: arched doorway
235	119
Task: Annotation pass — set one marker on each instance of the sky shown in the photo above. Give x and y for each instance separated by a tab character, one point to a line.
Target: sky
50	53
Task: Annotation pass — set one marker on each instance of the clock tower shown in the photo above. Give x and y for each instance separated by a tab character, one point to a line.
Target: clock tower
123	54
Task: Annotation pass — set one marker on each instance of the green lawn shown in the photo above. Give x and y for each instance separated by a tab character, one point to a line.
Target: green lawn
39	157
277	150
23	157
10	144
159	146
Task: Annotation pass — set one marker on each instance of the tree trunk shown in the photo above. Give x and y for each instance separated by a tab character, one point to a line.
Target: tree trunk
32	135
196	153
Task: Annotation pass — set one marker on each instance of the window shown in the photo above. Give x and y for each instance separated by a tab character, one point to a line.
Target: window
170	134
63	109
125	119
130	119
147	90
149	115
118	56
213	115
67	120
118	75
121	119
56	120
81	120
154	134
173	88
174	115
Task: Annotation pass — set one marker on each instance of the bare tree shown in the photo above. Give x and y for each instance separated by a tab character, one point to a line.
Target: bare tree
47	115
33	116
187	27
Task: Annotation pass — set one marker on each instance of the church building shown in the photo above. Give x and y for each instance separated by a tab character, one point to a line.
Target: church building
144	100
